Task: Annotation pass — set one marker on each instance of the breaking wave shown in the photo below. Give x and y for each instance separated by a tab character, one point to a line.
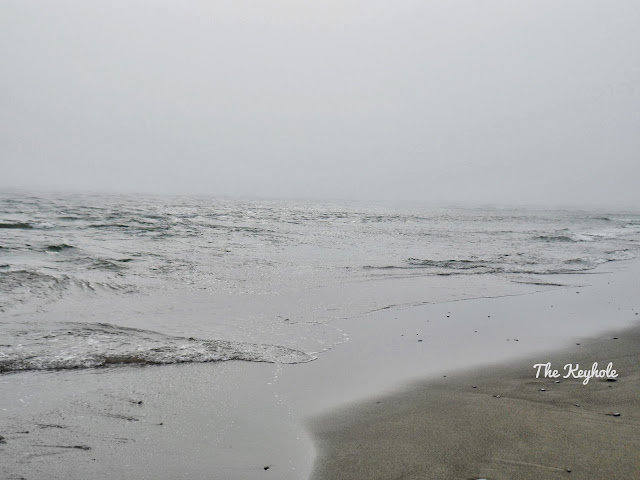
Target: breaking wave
81	346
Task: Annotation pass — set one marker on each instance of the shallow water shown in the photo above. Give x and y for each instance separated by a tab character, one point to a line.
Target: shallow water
100	280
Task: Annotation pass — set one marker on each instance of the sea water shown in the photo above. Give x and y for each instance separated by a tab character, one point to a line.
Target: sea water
91	281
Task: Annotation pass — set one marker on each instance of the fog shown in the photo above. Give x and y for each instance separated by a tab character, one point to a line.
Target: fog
507	102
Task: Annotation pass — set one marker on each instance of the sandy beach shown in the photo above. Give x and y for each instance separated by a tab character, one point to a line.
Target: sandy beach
395	401
319	240
499	422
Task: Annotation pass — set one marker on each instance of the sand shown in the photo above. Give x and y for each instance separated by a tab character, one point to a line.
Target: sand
229	420
496	423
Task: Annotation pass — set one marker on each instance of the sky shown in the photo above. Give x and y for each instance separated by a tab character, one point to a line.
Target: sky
505	102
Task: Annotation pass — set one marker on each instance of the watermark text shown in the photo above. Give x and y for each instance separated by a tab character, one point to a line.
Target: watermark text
571	370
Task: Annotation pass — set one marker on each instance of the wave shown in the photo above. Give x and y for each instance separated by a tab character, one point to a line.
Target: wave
419	263
502	266
81	346
556	238
109	225
16	225
620	254
59	248
416	263
30	286
27	286
576	261
26	226
457	264
89	262
93	263
28	279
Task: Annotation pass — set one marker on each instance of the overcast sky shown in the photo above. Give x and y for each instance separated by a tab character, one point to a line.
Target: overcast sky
448	101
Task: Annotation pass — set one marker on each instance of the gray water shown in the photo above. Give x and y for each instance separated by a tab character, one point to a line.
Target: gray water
101	280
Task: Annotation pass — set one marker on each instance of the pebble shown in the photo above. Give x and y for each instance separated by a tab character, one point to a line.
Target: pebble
568	470
543	389
497	396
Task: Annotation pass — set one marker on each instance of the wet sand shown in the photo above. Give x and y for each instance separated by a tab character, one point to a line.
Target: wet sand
496	423
230	420
216	421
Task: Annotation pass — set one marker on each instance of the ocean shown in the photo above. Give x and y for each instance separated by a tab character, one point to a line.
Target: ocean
108	281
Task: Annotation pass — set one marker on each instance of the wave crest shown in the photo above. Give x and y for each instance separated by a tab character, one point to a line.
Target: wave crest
82	346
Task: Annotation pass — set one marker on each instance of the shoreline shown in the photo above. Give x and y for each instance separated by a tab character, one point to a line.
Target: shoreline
390	349
493	418
229	420
498	423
